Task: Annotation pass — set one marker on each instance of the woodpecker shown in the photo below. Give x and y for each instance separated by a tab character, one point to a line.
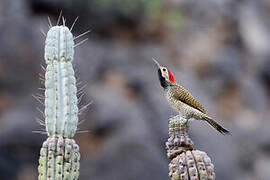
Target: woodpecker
182	101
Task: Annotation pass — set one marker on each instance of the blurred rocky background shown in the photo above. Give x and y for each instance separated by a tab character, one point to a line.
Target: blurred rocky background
218	49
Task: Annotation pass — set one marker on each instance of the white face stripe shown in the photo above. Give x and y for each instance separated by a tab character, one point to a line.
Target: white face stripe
164	72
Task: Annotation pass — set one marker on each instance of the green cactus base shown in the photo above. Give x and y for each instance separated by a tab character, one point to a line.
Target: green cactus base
59	159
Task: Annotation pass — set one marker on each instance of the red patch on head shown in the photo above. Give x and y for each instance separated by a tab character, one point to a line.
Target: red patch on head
171	77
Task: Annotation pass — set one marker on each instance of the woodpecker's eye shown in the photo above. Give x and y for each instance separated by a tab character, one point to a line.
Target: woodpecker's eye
164	69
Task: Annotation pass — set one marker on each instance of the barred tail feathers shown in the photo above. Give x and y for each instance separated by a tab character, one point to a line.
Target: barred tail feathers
216	126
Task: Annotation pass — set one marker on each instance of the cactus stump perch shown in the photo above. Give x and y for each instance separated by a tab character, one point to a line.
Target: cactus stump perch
186	163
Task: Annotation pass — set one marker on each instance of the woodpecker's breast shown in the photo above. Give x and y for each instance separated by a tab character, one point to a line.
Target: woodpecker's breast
174	103
179	106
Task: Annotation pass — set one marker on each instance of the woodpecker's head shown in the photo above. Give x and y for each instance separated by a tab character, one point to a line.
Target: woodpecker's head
166	77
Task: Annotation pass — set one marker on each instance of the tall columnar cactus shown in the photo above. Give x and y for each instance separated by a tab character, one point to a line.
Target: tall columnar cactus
186	163
61	110
59	155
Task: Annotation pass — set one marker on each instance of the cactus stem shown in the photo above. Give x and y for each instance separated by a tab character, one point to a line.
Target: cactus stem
60	154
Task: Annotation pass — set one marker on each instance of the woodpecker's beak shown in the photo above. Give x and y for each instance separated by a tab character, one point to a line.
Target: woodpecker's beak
157	63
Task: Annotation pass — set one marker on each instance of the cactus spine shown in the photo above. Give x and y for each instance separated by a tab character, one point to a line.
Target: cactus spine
59	155
186	163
